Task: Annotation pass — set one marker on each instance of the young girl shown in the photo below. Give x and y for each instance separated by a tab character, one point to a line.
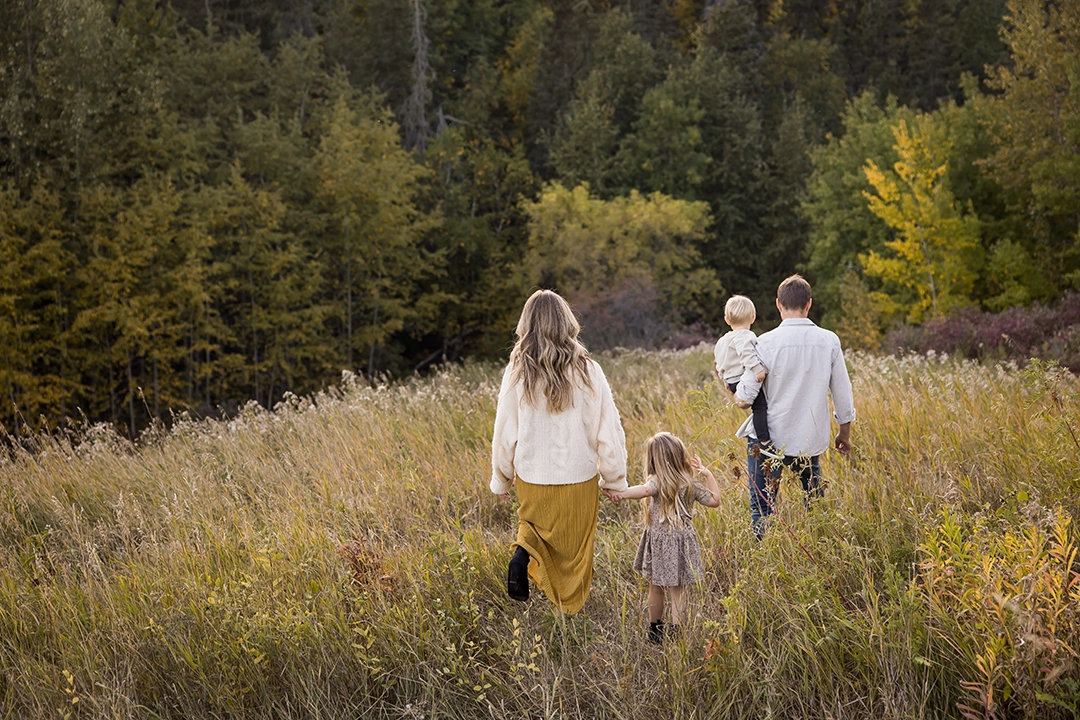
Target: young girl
668	555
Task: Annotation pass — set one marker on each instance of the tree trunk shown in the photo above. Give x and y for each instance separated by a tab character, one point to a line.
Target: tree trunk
414	118
374	328
348	300
131	395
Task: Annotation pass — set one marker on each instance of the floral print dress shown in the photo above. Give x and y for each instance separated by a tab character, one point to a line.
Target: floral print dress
668	556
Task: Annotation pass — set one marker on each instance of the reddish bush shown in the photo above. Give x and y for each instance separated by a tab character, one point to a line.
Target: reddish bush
1049	333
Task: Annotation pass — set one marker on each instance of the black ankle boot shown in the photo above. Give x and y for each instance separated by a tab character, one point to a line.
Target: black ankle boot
656	632
517	576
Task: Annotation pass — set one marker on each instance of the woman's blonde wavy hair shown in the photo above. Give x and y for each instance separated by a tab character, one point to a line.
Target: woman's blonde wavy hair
668	463
547	356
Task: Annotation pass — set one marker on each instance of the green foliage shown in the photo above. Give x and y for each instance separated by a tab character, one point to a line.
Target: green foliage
371	231
998	271
1034	119
208	201
597	252
476	183
35	292
608	103
859	324
1005	601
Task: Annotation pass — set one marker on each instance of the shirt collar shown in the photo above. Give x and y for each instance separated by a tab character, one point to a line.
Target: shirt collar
797	321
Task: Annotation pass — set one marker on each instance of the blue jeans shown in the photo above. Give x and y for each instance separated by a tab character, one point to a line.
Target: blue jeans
764	481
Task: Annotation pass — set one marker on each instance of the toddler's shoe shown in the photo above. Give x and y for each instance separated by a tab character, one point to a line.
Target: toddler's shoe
769	450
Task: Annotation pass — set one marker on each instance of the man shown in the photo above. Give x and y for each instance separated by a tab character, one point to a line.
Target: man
804	363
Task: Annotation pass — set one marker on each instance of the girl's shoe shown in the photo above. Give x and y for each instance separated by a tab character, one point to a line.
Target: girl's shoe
656	632
517	576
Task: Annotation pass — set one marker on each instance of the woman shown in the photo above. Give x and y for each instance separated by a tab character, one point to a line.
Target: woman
558	440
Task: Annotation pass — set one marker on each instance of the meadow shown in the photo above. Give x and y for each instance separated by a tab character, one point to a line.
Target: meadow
342	557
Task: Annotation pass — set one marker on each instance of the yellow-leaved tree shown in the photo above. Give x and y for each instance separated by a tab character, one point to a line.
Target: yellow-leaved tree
935	249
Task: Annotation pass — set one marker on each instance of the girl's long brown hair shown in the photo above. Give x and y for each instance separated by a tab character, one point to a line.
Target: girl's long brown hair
668	462
547	356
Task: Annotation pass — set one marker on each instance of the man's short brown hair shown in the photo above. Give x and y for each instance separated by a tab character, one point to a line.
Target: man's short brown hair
794	293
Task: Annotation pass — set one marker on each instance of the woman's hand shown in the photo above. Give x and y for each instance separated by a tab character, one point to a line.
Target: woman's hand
506	496
611	495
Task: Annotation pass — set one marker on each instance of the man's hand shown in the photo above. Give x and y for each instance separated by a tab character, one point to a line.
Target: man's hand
760	377
843	439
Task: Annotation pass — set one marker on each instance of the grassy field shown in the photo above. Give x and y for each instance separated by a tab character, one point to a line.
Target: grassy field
342	557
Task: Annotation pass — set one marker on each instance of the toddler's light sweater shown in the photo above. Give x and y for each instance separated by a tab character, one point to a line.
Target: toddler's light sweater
734	353
546	448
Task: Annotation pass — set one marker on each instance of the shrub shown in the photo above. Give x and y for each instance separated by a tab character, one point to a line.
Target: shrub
1049	333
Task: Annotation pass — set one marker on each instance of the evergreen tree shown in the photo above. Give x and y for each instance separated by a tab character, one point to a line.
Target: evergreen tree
373	231
37	373
476	183
1035	122
607	104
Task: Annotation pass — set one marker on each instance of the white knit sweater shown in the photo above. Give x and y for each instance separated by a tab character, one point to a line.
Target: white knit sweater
546	448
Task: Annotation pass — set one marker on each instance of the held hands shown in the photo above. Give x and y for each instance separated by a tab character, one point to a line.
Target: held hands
611	495
760	377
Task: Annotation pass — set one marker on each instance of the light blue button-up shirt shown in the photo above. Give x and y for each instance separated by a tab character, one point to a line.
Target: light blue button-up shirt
805	363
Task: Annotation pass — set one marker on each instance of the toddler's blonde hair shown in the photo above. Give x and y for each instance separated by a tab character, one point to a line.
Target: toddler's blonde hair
740	310
668	463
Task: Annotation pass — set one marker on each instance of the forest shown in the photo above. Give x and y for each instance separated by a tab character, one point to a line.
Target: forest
206	203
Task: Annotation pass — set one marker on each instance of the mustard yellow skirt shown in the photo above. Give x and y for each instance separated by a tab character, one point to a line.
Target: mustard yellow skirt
557	526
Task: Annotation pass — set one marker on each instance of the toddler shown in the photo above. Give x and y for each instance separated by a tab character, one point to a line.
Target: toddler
668	555
735	353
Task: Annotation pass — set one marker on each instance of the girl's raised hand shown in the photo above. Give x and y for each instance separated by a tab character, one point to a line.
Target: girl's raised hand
695	463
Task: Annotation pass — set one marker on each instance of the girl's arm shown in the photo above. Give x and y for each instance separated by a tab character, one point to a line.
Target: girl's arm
632	493
710	481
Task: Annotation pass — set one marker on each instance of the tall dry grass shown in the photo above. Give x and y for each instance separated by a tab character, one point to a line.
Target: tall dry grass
342	557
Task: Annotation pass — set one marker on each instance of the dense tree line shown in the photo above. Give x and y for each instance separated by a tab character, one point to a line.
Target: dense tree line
210	201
